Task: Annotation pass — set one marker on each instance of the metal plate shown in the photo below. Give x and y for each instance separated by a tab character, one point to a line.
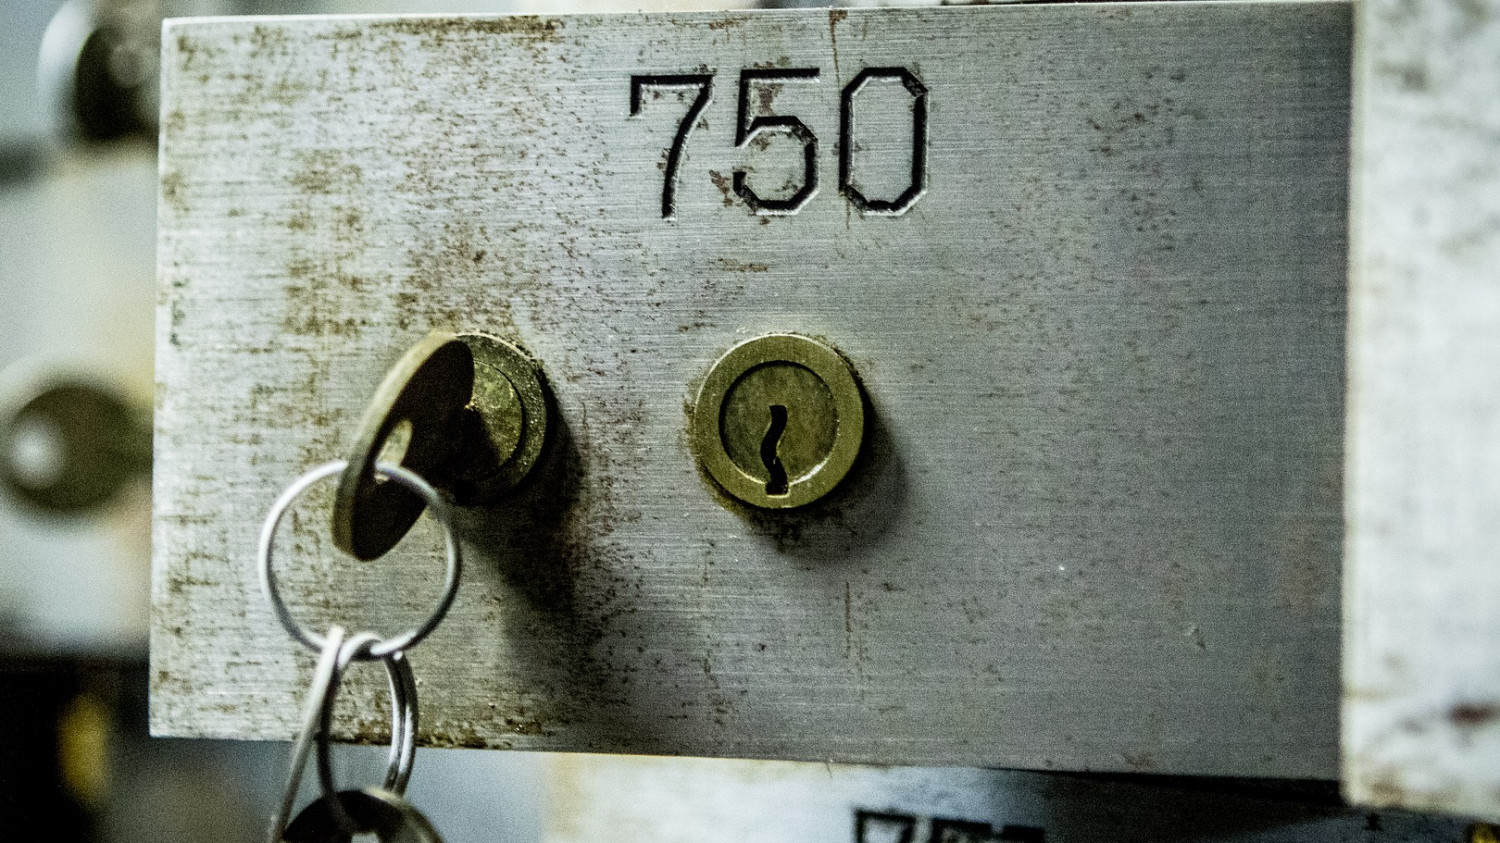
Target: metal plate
1097	523
1422	612
662	800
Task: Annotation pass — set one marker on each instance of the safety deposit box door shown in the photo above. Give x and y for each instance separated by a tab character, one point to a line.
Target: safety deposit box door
1082	268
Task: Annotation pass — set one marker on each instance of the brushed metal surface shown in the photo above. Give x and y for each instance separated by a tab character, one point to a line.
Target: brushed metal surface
1421	715
1097	523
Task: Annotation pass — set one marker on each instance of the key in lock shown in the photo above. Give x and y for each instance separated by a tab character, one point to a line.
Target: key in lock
467	412
779	421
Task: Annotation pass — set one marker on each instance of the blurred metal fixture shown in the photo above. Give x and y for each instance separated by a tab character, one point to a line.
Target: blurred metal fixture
69	444
97	68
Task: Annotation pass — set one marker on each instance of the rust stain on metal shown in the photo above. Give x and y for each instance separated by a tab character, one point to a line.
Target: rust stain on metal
324	171
724	185
732	265
531	26
174	190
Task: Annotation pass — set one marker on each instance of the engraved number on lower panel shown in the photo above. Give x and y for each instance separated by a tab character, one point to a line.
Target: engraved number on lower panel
885	827
748	128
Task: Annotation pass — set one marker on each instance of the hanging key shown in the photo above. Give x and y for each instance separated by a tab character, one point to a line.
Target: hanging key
372	811
467	412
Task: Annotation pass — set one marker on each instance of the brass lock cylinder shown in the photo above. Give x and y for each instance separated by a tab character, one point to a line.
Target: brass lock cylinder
779	421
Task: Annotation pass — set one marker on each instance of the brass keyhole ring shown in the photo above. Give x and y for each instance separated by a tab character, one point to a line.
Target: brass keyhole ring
410	480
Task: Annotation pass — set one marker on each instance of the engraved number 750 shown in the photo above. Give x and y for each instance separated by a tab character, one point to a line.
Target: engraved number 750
747	128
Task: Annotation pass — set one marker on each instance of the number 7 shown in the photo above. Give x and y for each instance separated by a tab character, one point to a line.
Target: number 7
704	83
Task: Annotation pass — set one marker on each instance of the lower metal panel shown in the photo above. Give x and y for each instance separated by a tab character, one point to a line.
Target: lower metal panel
636	800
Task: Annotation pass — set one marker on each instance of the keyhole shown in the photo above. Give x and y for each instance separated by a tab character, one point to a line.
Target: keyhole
777	485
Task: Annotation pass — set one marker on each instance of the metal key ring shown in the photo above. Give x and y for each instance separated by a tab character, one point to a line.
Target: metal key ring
412	481
335	658
403	722
312	715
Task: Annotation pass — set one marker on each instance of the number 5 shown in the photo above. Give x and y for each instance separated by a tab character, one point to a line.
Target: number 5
749	128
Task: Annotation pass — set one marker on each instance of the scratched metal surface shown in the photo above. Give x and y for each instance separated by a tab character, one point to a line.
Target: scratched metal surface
1421	716
1097	525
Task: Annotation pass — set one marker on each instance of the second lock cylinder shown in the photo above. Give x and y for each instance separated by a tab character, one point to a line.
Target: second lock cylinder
779	421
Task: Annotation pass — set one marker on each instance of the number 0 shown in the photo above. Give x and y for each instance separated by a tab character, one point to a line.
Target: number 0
917	184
